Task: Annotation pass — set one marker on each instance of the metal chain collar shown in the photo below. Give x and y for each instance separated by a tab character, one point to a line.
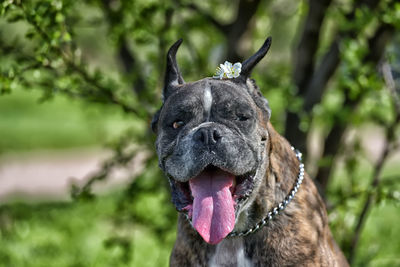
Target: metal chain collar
281	206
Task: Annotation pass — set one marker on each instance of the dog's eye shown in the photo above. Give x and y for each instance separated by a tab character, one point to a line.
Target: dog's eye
242	117
177	124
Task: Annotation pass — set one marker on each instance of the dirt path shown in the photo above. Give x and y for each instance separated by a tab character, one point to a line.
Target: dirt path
47	175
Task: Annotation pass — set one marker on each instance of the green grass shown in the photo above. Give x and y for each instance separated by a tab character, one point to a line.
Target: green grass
75	234
378	244
26	124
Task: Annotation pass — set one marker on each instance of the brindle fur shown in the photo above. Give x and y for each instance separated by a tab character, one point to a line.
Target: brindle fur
299	236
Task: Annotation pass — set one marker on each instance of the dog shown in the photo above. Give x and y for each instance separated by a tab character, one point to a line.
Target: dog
240	188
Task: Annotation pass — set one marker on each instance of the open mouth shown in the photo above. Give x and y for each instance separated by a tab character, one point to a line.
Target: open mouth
211	200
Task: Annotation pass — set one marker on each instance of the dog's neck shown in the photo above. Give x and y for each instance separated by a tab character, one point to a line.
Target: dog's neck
281	175
283	166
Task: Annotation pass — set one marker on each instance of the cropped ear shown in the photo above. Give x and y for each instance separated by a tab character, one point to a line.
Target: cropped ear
258	98
252	61
247	67
154	121
173	77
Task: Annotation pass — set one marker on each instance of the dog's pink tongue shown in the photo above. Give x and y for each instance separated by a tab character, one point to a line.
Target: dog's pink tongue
213	206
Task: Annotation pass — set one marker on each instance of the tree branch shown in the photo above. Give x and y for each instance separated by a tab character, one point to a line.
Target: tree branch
121	158
385	182
102	91
304	67
376	45
326	69
312	83
390	137
317	85
162	45
304	56
192	6
125	54
245	11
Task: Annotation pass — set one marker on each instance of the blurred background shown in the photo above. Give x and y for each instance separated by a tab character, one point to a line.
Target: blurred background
80	81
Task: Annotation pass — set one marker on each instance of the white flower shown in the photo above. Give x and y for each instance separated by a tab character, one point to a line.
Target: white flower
226	70
219	73
237	68
227	67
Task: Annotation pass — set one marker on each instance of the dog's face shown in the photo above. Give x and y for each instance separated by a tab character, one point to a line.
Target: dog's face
211	144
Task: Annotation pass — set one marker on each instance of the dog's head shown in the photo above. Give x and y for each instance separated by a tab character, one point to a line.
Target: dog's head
211	144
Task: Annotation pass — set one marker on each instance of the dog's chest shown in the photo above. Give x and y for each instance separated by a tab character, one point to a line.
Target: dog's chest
230	252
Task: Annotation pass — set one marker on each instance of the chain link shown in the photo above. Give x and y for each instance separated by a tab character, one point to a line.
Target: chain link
281	206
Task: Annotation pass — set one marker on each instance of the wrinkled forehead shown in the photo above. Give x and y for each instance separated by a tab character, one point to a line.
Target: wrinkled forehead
213	90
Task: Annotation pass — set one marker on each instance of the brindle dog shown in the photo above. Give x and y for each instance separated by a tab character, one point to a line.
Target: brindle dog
228	168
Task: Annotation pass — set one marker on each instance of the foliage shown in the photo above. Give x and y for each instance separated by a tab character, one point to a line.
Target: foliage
112	52
77	234
60	123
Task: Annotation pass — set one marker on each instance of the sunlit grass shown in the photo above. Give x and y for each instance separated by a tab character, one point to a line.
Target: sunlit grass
378	244
59	123
75	234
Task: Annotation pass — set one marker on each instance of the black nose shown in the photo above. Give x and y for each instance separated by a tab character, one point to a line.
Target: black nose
207	136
